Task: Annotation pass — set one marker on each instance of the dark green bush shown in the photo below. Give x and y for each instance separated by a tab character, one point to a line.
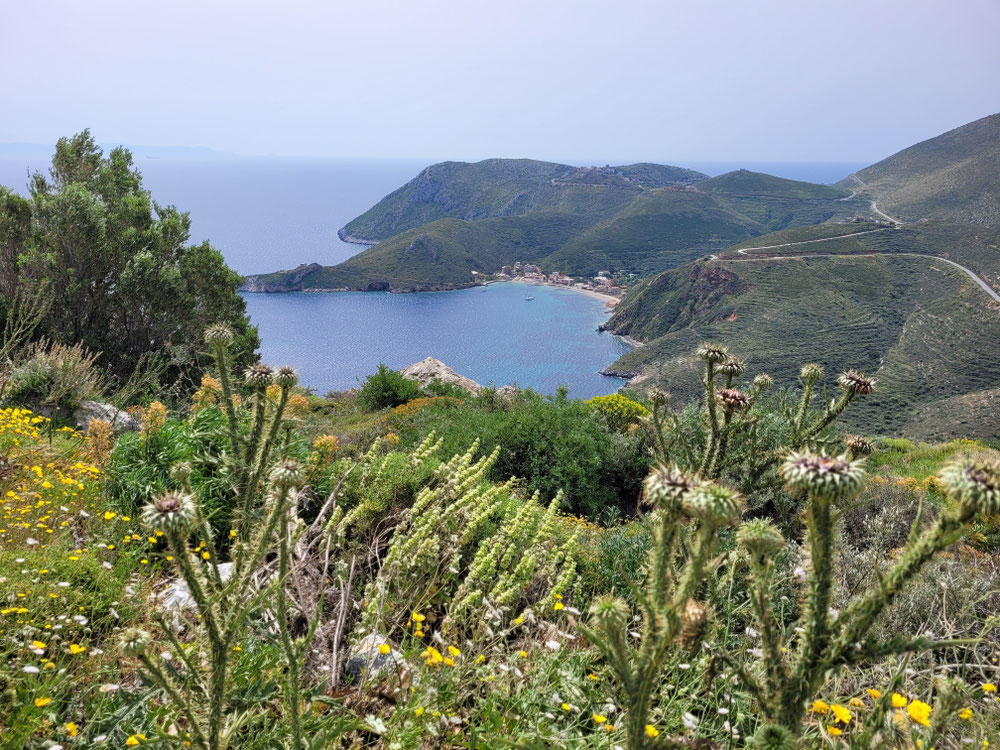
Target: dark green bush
385	389
551	442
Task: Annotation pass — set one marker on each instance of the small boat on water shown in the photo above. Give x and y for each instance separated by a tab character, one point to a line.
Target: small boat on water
528	299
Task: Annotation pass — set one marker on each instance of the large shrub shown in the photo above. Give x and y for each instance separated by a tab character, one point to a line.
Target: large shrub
551	442
54	378
127	283
385	389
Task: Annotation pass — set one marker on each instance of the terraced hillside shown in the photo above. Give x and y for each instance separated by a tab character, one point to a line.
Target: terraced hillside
922	327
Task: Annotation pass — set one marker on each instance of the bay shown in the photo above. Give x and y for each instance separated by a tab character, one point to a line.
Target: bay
491	334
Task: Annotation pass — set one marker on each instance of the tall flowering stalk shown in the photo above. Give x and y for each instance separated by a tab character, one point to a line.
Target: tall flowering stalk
672	615
199	686
793	669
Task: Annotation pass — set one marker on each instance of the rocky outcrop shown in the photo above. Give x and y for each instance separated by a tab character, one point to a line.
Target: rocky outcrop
120	421
368	662
280	281
428	370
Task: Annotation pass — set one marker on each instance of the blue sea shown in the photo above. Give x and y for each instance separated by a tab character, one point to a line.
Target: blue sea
491	334
266	214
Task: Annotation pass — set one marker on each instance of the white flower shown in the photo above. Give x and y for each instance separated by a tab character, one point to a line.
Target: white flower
752	633
800	574
554	645
109	687
834	614
63	584
690	721
684	666
31	542
30	669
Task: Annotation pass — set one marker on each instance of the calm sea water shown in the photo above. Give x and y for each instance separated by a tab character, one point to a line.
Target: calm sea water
265	214
491	334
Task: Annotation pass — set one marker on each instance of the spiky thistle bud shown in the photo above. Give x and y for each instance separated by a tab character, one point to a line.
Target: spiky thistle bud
974	484
286	377
732	400
180	472
811	372
773	737
258	376
713	353
856	382
170	513
733	367
693	622
610	613
220	334
287	473
713	504
828	477
859	445
665	486
760	538
763	381
134	642
658	397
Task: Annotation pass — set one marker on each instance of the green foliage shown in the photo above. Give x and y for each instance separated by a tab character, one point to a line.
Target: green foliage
385	389
552	442
53	377
141	463
127	285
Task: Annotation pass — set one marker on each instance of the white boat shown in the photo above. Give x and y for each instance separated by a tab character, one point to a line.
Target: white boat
528	299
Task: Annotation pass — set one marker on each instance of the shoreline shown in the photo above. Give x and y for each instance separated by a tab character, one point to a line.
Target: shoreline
608	299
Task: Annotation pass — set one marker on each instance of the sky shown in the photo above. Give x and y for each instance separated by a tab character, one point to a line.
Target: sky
608	80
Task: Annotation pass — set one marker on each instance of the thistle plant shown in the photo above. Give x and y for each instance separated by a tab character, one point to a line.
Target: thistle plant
672	616
198	682
730	419
796	663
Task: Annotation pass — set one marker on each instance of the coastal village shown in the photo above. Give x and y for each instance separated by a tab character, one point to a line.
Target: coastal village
603	283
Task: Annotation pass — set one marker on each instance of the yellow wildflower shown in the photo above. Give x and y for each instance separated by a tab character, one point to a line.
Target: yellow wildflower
75	648
71	729
874	694
600	719
651	731
989	687
920	712
965	713
384	648
454	651
833	731
841	713
42	702
898	701
819	707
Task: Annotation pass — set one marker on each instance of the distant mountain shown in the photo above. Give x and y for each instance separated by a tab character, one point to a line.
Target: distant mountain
455	218
954	176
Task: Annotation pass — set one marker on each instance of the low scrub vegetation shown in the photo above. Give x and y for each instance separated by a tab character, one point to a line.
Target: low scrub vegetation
261	568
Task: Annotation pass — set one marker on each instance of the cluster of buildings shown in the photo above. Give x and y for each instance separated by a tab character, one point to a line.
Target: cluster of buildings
603	282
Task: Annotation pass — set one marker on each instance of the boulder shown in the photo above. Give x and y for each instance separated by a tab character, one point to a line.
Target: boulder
428	370
176	600
366	661
120	421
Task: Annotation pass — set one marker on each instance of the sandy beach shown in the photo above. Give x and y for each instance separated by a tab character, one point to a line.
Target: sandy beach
609	300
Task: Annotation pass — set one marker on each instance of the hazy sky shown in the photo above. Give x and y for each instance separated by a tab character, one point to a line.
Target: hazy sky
612	80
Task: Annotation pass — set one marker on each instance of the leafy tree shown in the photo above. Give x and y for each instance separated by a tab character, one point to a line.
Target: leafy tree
123	280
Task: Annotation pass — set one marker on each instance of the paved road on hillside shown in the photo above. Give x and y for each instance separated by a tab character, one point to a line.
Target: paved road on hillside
806	242
968	272
982	284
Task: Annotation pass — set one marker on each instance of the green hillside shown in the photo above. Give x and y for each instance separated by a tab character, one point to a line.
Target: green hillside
952	177
745	182
455	218
509	187
923	328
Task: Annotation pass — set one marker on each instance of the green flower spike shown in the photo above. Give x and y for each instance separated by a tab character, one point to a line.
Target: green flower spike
714	505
